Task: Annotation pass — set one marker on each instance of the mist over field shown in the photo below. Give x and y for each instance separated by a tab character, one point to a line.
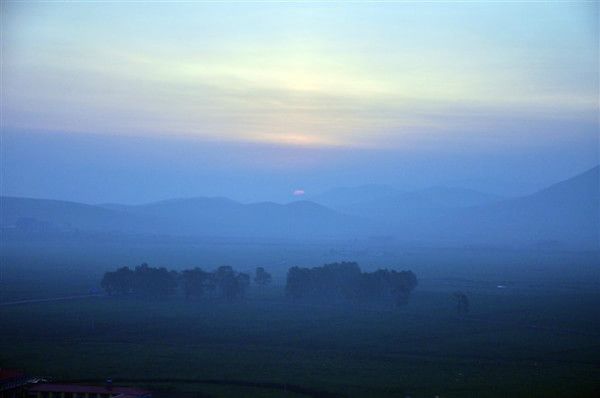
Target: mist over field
246	199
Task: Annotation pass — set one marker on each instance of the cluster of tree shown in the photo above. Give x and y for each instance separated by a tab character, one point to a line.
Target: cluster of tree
224	281
159	282
345	281
143	280
332	282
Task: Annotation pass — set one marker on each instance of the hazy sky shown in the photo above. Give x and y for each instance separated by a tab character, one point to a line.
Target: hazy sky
140	101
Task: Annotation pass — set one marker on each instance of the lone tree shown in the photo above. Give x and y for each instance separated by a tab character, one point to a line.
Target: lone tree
262	277
462	303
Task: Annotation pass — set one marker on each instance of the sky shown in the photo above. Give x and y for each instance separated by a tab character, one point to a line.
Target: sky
139	101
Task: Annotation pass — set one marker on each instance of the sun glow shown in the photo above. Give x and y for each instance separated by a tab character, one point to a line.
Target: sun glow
305	75
294	139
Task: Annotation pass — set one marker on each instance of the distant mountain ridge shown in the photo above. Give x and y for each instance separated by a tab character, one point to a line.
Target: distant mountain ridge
365	193
184	217
67	215
566	213
342	196
383	202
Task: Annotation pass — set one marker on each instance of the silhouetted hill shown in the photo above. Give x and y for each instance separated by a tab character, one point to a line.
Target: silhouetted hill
381	202
342	197
181	217
456	197
581	191
565	213
225	217
64	215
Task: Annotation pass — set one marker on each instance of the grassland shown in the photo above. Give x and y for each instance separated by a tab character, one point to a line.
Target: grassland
537	337
511	344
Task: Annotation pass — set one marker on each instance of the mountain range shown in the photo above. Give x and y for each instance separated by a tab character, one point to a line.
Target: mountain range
563	213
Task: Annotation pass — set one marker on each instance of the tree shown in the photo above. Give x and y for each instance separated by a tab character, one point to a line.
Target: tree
230	284
160	282
195	282
118	282
402	283
298	282
262	277
156	282
346	282
462	303
243	281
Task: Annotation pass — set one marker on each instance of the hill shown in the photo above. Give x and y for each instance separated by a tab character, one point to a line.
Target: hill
564	214
57	215
178	217
383	202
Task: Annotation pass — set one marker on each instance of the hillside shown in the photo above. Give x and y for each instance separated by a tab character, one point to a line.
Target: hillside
565	213
179	217
383	202
64	215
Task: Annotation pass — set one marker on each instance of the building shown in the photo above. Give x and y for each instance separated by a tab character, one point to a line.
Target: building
13	383
48	390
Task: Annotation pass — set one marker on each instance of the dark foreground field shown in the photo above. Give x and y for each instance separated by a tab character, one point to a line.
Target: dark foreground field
539	336
513	343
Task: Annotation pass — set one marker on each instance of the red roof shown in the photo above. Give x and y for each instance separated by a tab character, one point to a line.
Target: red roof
7	374
75	388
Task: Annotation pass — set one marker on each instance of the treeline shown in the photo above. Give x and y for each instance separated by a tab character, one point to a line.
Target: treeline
331	282
149	281
346	282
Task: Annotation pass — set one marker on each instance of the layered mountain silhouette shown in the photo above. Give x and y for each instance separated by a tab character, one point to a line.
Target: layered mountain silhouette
564	213
381	201
32	214
354	199
218	217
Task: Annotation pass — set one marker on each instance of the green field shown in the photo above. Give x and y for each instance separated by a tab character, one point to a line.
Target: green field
512	344
538	337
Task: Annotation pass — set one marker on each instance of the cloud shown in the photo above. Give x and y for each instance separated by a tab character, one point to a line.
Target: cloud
321	86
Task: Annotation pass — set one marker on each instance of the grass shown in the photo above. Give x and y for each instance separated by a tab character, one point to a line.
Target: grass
511	344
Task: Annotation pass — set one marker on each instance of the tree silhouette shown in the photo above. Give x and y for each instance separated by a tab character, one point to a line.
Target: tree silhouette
462	303
119	281
262	277
195	282
345	282
144	281
229	283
